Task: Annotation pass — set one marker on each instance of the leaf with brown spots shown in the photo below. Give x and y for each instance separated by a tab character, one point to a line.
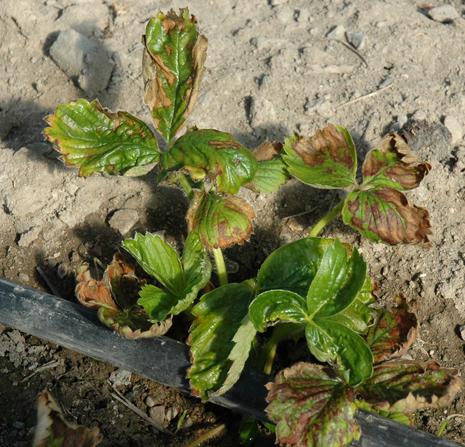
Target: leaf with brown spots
385	215
220	221
393	333
173	65
326	160
394	165
53	429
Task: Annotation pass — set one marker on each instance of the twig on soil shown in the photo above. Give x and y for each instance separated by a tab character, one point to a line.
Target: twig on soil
39	369
368	95
121	399
302	213
351	48
47	282
208	436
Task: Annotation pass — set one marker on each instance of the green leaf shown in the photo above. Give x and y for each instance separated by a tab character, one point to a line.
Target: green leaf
173	66
277	306
406	386
220	221
331	341
393	333
385	215
182	279
312	408
394	165
97	140
337	282
158	259
221	324
213	154
326	160
291	267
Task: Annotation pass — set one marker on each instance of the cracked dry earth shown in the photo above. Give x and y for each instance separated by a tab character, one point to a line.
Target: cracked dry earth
274	67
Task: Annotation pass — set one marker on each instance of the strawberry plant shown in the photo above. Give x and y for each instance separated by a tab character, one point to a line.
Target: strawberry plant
314	289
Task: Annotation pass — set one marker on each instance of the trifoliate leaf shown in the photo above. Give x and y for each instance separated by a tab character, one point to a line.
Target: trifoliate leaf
97	140
181	278
220	338
394	165
215	155
385	215
326	160
312	408
172	66
393	332
53	430
406	386
220	221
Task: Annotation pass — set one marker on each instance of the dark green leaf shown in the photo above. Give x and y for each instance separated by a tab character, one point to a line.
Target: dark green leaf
393	333
220	338
220	221
406	386
173	66
326	160
385	215
277	306
394	165
331	342
213	154
337	282
97	140
311	408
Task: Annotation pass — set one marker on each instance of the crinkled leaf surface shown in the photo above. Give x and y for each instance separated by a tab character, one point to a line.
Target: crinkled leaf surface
393	332
181	278
323	285
213	154
97	140
393	165
173	65
220	325
311	408
53	430
385	215
220	221
406	386
326	160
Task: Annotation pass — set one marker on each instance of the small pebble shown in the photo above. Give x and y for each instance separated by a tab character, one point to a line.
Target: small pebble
454	128
462	331
149	401
356	39
443	14
336	32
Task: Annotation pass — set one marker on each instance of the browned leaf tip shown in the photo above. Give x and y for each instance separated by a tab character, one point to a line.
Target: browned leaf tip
328	142
405	170
268	150
53	429
90	292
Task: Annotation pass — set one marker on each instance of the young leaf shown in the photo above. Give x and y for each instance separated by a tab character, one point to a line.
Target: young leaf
393	333
271	170
406	386
220	221
311	408
182	279
97	140
213	154
385	215
220	339
53	430
172	66
326	160
394	165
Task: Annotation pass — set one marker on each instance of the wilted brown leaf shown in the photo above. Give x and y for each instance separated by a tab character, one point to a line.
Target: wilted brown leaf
90	292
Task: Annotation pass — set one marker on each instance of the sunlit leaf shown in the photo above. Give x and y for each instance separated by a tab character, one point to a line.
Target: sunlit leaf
96	140
393	165
220	221
220	338
393	332
173	66
385	215
326	160
209	153
311	408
